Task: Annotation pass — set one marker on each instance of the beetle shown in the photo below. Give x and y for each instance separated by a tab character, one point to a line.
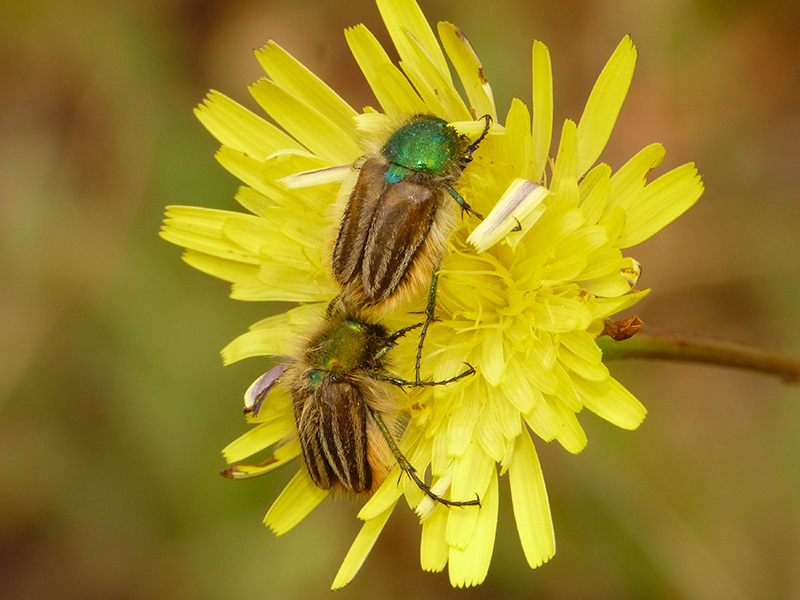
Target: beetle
344	406
395	226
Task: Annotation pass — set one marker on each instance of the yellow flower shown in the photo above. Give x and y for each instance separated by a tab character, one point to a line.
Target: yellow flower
521	297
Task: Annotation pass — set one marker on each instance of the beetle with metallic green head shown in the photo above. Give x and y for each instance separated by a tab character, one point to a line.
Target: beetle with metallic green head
394	230
344	404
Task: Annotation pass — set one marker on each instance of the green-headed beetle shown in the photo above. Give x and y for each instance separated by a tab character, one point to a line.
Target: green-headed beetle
394	229
344	405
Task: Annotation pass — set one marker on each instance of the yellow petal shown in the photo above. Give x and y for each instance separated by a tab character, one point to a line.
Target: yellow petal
247	169
594	370
581	348
582	345
493	364
517	389
306	124
470	474
611	401
569	432
469	69
595	189
517	151
572	253
237	127
520	200
605	307
631	270
276	336
392	89
470	565
631	177
542	107
448	361
507	416
541	359
254	201
462	421
566	390
435	87
360	549
604	104
282	166
286	453
541	420
601	262
551	229
660	203
403	17
489	432
262	291
565	185
387	494
271	291
283	282
609	285
433	549
274	430
235	271
440	457
531	506
427	505
297	499
558	314
296	79
614	222
249	232
461	525
202	229
316	177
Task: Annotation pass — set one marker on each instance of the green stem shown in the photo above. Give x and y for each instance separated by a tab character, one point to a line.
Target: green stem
691	348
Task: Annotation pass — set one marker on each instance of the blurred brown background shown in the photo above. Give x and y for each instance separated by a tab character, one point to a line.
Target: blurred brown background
114	403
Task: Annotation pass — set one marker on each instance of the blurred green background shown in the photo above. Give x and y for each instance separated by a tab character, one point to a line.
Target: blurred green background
114	403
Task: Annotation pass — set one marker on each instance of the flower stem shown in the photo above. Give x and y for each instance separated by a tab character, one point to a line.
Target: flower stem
649	344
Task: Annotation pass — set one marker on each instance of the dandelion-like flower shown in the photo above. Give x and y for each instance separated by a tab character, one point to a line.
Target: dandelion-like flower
522	296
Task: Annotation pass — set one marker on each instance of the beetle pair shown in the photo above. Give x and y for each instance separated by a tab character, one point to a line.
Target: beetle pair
392	237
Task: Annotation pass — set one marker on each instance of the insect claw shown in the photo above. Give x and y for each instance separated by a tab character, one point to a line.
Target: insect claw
468	209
